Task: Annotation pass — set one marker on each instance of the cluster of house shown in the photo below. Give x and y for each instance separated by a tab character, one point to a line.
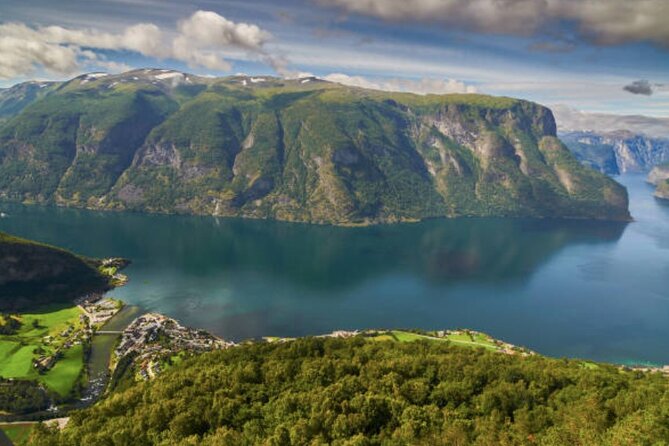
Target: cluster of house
154	337
100	311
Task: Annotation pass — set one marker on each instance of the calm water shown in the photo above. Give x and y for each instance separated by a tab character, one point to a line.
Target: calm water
579	289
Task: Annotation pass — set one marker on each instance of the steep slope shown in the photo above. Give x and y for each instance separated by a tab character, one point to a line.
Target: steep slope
32	274
617	152
298	150
659	177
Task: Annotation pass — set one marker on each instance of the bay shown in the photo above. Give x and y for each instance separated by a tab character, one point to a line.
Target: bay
595	290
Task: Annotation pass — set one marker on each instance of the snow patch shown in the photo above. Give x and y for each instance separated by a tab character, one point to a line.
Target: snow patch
256	80
169	75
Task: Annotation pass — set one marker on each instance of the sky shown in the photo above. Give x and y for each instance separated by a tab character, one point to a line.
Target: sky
604	56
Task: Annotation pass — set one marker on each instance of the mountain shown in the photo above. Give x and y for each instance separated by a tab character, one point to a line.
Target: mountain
659	177
16	98
33	273
298	150
618	151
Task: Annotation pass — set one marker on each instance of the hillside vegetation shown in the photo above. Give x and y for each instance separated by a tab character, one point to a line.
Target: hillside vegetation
298	150
32	274
362	391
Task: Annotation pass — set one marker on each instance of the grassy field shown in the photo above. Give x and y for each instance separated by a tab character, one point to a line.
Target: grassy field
63	376
43	334
466	339
17	433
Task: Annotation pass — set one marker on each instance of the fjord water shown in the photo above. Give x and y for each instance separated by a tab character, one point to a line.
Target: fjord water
597	290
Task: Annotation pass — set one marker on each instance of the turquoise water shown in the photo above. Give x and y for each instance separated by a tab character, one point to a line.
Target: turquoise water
563	288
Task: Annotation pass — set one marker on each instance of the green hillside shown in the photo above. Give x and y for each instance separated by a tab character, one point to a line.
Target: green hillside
32	274
297	150
377	391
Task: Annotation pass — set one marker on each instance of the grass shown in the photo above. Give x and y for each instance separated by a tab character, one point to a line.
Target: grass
63	376
17	363
18	350
466	339
17	433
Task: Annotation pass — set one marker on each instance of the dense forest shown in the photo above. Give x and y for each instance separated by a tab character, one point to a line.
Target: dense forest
356	391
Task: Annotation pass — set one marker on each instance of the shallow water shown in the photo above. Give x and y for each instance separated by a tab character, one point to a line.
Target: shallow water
595	290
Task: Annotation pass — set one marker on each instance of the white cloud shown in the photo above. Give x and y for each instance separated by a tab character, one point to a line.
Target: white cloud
571	119
418	86
603	21
200	41
203	35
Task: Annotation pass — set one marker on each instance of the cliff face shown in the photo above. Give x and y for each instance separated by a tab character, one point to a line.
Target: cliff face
617	152
659	177
298	150
33	274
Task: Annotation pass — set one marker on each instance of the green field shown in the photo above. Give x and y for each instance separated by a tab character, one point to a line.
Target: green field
466	339
18	350
17	433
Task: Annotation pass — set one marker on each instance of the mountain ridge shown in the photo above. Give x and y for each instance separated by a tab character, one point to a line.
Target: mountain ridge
301	150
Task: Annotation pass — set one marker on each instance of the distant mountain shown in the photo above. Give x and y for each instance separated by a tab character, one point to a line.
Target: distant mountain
659	176
617	152
33	273
299	150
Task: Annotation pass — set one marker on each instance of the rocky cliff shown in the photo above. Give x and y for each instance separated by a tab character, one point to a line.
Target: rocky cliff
617	152
299	150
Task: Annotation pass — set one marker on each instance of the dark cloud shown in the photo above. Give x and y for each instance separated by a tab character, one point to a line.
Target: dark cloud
639	87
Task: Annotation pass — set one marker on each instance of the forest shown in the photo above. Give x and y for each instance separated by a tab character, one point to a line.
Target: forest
360	391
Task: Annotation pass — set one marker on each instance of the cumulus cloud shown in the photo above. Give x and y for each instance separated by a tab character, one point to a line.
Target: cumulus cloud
418	86
602	21
203	35
201	40
642	87
569	119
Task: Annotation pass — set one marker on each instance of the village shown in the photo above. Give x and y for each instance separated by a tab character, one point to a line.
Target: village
152	338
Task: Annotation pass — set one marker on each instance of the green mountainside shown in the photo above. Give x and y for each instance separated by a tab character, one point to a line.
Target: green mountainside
32	274
376	391
298	150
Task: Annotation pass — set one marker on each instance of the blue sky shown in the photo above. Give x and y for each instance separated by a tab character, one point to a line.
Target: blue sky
549	51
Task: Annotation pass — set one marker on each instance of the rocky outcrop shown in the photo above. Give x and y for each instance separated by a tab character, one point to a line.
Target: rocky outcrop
659	177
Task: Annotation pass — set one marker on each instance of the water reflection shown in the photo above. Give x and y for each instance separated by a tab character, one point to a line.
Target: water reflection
320	257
